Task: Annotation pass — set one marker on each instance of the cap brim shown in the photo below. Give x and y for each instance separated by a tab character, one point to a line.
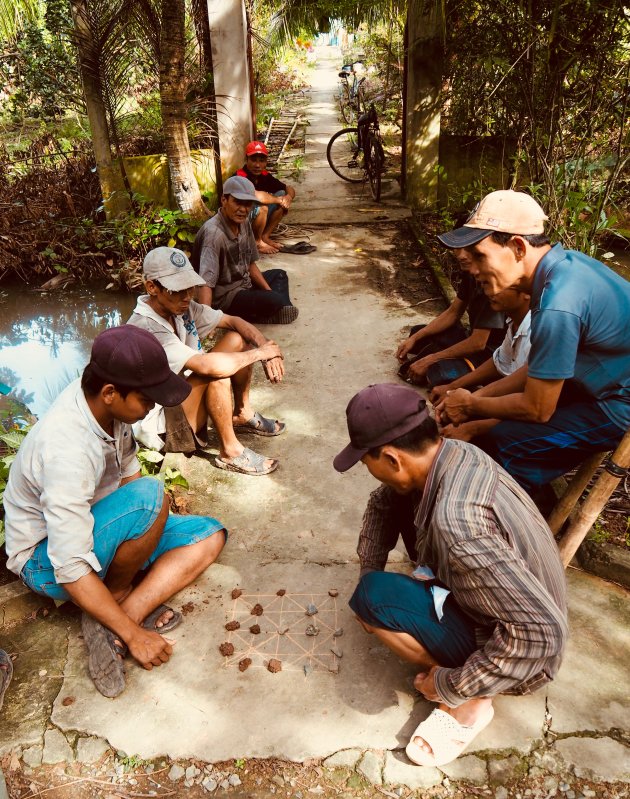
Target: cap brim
181	281
463	237
348	457
248	197
172	391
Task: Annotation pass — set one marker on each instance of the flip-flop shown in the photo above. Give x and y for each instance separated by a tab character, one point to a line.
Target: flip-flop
446	737
248	462
262	426
301	248
150	622
6	673
105	663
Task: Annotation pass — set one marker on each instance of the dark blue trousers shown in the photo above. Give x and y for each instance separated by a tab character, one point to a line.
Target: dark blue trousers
257	305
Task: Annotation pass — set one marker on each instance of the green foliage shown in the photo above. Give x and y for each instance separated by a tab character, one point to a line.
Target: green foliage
150	466
240	763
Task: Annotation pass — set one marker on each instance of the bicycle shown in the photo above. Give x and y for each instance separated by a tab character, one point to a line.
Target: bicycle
356	154
350	93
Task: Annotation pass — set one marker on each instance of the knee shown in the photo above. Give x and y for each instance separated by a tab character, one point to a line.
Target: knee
211	547
263	213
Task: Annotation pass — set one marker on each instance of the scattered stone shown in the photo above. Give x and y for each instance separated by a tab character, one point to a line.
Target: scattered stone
277	780
255	629
400	772
550	761
33	756
550	784
233	625
599	759
333	592
56	748
224	785
244	664
308	669
281	592
236	592
192	772
257	610
371	766
188	608
338	633
311	609
89	750
564	787
226	649
43	672
283	630
209	784
338	653
467	768
505	769
355	781
274	666
312	630
501	792
68	700
176	773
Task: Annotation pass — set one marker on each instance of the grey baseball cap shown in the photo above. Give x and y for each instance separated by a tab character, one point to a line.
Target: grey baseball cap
171	268
241	188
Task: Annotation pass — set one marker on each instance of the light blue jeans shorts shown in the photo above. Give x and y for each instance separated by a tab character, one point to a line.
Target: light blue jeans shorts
271	209
125	514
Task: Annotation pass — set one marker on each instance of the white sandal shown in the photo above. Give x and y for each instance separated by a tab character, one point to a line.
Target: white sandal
446	737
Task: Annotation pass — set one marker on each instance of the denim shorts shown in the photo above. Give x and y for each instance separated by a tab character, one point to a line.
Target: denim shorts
271	209
125	514
398	603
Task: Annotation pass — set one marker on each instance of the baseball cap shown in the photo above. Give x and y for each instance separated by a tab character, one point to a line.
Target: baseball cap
377	415
132	357
505	211
241	188
256	147
172	268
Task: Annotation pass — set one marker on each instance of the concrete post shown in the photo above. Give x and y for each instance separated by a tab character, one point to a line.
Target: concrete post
424	60
228	34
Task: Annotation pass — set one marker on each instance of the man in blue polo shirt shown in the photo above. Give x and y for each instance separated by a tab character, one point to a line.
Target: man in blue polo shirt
573	398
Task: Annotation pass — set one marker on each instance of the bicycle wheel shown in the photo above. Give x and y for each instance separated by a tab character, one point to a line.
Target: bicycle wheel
374	166
346	106
345	156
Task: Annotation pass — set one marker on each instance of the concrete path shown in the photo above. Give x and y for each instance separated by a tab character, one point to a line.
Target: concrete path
295	531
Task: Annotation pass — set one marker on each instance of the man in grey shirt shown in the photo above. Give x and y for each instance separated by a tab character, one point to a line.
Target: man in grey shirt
225	256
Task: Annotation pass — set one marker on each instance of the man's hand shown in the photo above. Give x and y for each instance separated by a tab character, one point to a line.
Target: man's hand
464	432
274	369
284	201
417	372
456	406
150	648
438	393
425	683
404	347
269	350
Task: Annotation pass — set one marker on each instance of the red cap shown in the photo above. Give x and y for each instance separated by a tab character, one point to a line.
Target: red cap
256	147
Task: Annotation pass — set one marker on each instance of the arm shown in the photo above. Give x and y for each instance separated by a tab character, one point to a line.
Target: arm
468	430
486	373
380	528
274	367
225	364
204	295
446	319
258	281
475	342
288	198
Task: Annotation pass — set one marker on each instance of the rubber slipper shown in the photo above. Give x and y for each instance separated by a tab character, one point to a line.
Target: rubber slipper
105	663
150	622
248	462
6	673
301	248
262	426
446	737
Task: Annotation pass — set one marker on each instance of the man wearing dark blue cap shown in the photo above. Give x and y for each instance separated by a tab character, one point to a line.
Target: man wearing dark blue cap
81	523
484	612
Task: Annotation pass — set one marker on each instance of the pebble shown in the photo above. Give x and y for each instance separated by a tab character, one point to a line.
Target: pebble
209	784
224	785
191	771
338	633
277	779
333	592
338	653
236	592
311	609
43	672
564	787
501	792
308	669
176	773
312	630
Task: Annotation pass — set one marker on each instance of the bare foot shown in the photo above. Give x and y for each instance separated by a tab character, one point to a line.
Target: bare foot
239	421
267	249
164	618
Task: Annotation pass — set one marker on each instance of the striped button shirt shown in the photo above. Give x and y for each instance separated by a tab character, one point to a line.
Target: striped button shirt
485	540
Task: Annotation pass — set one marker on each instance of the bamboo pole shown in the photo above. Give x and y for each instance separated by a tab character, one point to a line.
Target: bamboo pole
592	506
569	499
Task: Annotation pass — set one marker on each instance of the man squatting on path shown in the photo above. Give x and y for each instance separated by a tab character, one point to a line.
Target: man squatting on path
81	523
219	379
573	396
485	611
225	255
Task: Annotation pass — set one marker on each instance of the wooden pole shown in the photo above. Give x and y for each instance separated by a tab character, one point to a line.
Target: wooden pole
614	469
569	499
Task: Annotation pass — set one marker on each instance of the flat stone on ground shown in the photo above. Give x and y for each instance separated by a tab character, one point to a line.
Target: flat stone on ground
597	758
371	767
33	756
346	758
399	771
467	768
505	769
56	748
176	773
89	750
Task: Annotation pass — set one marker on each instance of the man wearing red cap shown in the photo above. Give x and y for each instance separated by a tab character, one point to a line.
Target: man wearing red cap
484	612
81	523
274	196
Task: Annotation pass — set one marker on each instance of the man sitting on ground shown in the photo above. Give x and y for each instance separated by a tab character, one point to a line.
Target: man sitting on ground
225	255
220	379
274	197
445	338
81	523
485	610
505	360
573	398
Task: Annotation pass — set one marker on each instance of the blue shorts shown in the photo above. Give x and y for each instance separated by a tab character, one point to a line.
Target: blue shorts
123	515
271	209
395	602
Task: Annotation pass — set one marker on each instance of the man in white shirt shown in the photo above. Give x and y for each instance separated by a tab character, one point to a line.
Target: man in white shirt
81	522
220	379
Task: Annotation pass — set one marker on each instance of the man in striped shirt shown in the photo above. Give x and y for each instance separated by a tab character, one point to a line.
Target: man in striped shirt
485	610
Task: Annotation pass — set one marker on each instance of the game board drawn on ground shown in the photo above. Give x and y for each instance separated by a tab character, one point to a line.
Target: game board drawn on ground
283	631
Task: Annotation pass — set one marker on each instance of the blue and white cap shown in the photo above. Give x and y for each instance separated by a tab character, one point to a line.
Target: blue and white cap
172	268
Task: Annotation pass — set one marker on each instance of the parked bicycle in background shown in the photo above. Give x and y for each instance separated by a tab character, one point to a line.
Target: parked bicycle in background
351	96
356	154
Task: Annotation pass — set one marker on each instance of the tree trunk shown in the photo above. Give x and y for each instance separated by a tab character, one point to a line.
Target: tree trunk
172	95
115	197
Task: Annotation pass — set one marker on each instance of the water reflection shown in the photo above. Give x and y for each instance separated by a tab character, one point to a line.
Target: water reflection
45	339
